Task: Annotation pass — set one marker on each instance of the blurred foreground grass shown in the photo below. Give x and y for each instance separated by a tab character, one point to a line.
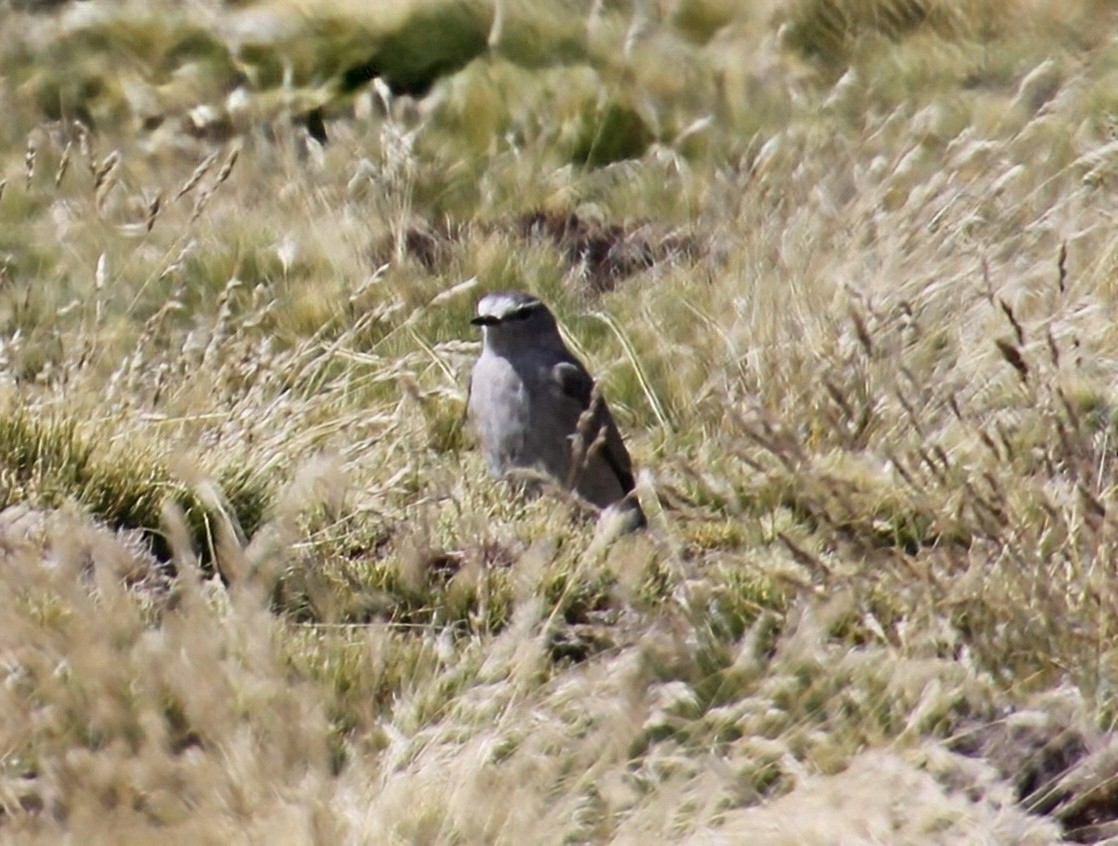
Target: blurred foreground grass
846	271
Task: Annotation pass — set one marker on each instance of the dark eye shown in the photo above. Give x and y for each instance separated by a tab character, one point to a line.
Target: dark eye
520	313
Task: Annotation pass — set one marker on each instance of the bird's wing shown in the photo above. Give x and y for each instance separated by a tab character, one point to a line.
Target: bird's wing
578	385
615	455
574	382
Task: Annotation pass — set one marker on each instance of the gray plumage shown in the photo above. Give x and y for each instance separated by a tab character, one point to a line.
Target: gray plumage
534	406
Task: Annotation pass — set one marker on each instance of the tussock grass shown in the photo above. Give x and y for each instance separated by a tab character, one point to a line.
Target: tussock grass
846	274
47	463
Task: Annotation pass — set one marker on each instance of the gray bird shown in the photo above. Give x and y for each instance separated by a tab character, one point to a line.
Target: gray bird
534	407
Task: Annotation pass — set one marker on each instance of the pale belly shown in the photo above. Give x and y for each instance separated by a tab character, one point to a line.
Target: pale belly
514	432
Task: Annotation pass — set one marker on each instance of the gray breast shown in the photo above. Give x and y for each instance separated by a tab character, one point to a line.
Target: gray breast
499	411
521	417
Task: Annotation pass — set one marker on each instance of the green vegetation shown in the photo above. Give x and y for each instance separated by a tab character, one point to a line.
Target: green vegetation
846	270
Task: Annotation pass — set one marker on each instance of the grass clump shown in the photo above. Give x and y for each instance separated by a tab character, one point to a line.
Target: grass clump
845	274
49	463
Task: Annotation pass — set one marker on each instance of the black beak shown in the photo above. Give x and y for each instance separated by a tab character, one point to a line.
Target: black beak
485	320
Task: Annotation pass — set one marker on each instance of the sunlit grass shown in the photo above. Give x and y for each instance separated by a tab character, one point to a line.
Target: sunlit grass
845	272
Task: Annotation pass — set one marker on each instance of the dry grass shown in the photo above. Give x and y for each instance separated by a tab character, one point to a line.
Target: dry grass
847	273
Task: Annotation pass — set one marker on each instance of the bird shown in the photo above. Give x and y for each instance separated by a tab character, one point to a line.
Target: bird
534	407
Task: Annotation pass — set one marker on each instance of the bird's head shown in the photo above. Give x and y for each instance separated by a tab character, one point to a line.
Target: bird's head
508	317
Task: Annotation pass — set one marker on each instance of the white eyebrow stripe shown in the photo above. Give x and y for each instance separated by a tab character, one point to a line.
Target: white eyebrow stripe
501	307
